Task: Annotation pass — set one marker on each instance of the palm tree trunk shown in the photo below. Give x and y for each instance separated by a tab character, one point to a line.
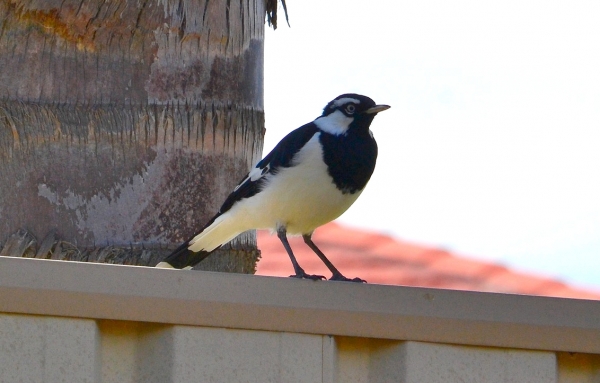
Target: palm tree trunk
125	123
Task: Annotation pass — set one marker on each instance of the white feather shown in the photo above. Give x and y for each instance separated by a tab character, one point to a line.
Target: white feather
345	100
336	123
225	228
165	265
299	198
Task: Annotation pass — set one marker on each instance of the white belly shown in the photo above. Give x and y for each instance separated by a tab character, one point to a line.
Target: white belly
300	198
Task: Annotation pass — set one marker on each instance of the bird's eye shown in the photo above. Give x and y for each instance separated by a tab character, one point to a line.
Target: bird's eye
350	109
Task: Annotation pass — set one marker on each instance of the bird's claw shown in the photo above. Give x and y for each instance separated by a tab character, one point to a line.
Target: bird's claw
308	276
340	277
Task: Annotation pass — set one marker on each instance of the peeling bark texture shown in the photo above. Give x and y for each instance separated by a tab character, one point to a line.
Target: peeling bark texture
124	125
24	244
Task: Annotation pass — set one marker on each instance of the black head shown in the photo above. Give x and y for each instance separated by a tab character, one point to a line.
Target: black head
347	111
349	104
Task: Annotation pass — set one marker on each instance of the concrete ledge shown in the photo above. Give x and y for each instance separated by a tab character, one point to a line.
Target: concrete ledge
141	294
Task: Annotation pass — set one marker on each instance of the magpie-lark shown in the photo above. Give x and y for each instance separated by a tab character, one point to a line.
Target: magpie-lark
310	178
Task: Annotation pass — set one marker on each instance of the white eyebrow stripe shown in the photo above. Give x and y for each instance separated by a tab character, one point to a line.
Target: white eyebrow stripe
345	100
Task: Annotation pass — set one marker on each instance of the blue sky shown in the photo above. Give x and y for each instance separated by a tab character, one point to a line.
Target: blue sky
492	146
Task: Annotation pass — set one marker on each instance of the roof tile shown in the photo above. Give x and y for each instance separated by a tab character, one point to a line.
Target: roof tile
382	259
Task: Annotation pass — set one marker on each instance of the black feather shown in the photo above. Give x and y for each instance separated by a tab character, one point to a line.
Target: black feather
183	257
351	158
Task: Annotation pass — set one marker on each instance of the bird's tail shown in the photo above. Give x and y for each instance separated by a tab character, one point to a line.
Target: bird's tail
183	258
217	232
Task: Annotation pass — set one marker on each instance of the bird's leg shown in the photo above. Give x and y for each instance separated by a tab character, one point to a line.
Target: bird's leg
281	234
337	276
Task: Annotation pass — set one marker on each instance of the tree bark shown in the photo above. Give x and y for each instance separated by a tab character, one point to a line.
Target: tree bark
124	124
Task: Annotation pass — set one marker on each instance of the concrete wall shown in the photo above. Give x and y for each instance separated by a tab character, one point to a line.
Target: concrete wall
77	322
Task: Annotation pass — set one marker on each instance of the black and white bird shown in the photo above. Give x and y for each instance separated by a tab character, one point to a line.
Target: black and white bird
310	178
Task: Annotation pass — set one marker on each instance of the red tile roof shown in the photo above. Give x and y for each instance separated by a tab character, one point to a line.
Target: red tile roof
382	259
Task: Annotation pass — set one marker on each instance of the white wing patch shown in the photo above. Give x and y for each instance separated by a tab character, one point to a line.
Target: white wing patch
258	173
254	175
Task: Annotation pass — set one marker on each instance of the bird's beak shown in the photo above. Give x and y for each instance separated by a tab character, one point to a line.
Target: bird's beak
377	108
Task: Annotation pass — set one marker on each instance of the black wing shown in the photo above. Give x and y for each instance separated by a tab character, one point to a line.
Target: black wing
280	157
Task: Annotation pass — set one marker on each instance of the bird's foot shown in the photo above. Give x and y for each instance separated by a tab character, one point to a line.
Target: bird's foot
340	277
303	275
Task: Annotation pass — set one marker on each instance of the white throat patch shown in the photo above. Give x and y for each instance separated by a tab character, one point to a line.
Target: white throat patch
336	123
